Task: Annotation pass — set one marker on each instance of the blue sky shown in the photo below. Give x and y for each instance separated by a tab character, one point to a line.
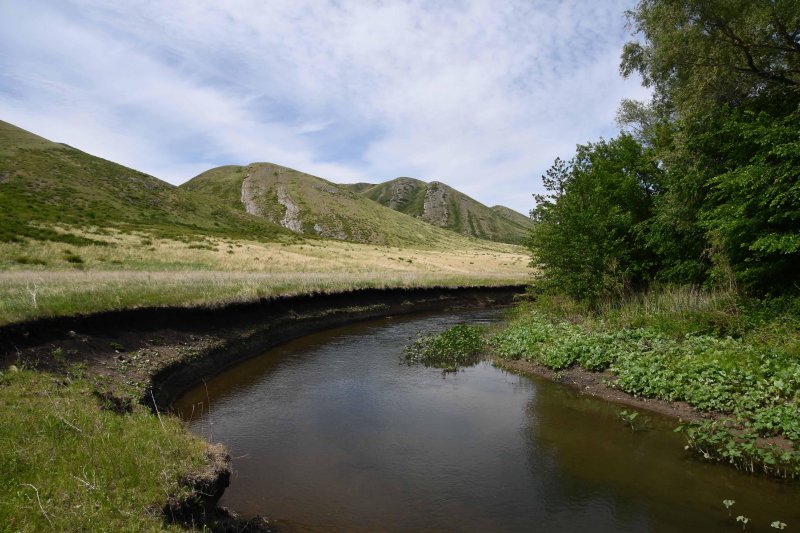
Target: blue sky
480	94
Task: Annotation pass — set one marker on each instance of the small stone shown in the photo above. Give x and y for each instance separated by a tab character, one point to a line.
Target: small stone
13	369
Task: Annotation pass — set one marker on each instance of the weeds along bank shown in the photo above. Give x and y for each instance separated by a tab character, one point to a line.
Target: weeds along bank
81	447
735	363
733	366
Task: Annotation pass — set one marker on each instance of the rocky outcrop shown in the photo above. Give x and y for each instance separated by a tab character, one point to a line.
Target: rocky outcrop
250	191
291	218
435	207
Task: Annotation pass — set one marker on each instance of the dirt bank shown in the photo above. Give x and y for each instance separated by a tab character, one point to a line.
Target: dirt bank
152	354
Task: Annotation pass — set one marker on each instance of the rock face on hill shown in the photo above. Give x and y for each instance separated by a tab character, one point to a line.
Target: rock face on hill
445	207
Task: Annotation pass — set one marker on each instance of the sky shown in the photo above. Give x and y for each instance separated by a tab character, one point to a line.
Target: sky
480	94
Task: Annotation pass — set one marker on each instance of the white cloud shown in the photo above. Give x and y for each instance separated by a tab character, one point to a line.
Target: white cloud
482	95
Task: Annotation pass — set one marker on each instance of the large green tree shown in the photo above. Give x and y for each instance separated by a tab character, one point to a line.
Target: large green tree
725	76
586	240
697	54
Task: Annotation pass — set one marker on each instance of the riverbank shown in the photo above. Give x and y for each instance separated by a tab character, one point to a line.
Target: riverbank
725	369
120	361
601	385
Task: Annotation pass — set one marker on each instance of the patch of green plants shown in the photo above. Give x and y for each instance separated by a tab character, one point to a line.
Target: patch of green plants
25	260
69	465
71	257
459	346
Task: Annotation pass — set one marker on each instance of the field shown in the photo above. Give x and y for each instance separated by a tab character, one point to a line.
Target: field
123	270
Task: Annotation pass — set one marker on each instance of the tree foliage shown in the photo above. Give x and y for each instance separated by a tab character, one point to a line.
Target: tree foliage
586	240
701	53
715	156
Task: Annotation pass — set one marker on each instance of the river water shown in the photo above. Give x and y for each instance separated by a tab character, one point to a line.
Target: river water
332	432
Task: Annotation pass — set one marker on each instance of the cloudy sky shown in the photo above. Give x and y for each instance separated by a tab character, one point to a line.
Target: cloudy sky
479	94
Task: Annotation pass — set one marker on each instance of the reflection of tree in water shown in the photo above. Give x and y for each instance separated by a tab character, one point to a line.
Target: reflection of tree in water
573	453
592	462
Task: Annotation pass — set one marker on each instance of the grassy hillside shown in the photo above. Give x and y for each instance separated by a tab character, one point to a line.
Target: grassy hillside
444	207
310	205
46	185
80	234
514	216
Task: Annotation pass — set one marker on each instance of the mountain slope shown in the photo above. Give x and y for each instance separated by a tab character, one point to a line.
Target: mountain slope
514	216
45	184
313	206
442	206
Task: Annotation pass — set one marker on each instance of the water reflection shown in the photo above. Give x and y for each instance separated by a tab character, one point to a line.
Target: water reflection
645	476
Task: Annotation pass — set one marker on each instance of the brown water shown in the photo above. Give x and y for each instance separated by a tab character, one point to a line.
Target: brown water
332	432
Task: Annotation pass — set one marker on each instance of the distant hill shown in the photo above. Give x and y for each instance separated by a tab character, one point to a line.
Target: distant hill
514	216
44	184
47	190
311	205
442	206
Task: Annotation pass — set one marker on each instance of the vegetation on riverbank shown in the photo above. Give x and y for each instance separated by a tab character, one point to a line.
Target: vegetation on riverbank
461	345
69	464
701	189
736	361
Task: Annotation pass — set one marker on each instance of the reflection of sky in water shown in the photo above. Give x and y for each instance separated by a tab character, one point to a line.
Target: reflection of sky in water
334	431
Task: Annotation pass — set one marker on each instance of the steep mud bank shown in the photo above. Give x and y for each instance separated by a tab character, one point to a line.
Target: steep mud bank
163	351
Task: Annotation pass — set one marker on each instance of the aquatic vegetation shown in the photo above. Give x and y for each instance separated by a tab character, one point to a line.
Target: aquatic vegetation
461	345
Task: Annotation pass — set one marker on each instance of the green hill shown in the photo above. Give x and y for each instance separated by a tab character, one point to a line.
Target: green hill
514	216
45	184
444	207
313	206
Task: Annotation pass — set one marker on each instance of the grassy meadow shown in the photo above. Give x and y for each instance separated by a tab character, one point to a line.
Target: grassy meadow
122	270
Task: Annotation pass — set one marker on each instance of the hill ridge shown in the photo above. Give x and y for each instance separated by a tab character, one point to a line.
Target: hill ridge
443	206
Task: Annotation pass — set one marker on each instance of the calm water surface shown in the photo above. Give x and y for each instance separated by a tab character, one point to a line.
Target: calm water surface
333	432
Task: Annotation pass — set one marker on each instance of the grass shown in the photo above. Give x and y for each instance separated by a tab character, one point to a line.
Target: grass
709	349
137	269
68	465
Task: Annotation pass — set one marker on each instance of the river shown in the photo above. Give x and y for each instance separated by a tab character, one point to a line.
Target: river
334	432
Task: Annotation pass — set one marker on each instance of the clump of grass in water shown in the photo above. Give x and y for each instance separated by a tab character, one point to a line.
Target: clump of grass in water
456	347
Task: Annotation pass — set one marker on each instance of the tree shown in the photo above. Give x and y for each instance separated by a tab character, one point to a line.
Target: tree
701	53
721	125
586	240
753	211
